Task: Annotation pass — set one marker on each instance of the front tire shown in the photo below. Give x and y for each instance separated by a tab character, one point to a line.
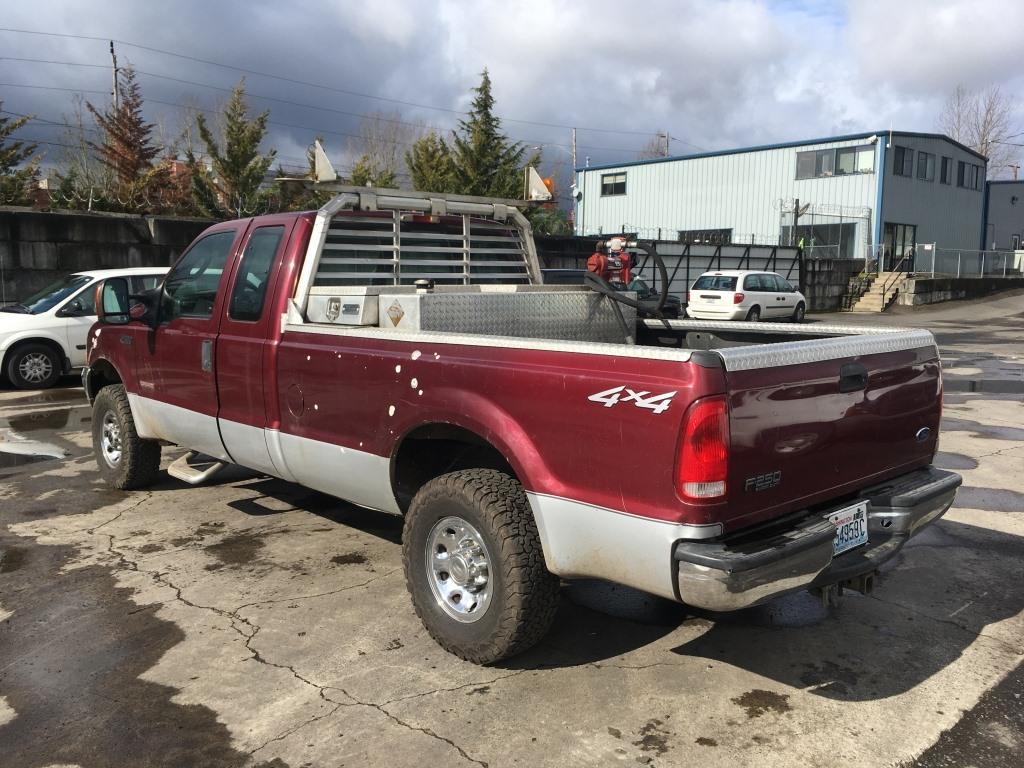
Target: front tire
754	315
799	312
125	460
474	566
34	366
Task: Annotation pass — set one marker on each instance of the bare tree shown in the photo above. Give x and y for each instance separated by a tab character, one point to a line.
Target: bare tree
983	121
380	149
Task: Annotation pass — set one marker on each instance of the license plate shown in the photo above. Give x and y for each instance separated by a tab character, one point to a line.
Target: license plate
851	527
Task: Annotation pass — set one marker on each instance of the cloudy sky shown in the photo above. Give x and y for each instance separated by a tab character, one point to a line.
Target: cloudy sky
713	75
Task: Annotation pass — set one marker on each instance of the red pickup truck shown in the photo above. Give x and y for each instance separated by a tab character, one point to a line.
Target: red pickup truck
398	351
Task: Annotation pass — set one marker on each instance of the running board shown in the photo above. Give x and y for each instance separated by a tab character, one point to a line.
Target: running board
195	472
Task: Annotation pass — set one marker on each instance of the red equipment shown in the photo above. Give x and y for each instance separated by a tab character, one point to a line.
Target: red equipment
611	261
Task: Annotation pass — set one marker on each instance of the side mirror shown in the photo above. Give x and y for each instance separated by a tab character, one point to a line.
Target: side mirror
112	304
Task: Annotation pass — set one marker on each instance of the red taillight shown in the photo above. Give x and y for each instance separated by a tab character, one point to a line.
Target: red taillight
737	298
703	456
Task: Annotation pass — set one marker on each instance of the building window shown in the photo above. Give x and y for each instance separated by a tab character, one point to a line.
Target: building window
926	166
946	174
613	184
903	162
819	163
705	236
968	175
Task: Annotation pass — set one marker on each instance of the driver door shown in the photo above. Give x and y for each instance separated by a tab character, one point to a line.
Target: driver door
177	385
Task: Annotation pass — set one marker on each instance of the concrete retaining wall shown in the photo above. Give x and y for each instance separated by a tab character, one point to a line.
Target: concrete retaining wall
826	280
37	247
932	290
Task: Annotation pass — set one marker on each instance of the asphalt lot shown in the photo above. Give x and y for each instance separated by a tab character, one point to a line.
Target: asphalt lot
251	622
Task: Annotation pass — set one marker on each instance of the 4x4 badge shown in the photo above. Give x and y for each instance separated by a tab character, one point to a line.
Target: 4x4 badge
641	399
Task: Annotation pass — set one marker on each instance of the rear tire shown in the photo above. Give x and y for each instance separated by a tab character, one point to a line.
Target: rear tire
754	315
126	461
34	366
798	313
474	566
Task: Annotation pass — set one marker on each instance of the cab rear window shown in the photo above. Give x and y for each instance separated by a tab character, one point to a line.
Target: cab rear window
715	283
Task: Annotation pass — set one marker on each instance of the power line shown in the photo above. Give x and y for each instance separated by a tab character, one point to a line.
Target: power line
315	130
295	81
303	105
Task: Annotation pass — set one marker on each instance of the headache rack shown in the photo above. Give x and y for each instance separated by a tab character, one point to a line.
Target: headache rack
367	237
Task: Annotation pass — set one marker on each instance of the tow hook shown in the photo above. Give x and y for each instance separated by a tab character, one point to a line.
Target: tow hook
830	594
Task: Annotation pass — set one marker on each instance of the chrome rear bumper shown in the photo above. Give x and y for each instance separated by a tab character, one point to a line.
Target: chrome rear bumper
747	570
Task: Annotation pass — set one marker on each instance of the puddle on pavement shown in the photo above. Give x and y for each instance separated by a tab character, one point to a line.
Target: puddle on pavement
43	420
14	460
16	450
991	386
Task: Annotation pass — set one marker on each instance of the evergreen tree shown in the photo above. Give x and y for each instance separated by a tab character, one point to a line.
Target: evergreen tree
430	164
231	185
366	173
127	150
18	166
485	162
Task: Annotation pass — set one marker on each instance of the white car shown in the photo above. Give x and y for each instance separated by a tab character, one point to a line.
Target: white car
741	294
44	336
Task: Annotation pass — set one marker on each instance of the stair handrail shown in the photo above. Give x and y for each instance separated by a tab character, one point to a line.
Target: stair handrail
896	277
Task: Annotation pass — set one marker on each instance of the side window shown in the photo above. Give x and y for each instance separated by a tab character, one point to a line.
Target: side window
781	284
191	287
86	300
142	283
251	283
752	283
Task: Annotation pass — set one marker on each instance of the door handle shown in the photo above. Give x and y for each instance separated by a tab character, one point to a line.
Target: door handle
853	377
207	355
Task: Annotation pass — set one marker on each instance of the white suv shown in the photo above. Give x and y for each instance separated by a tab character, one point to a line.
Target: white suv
45	335
739	294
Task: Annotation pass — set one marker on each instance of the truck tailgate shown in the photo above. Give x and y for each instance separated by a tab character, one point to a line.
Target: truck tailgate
806	432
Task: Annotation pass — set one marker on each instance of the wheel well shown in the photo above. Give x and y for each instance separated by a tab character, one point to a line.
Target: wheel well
436	449
55	346
101	374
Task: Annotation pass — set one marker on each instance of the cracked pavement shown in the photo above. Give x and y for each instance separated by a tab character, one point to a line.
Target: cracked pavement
252	622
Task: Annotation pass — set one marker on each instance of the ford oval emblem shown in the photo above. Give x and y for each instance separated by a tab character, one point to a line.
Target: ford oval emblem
923	434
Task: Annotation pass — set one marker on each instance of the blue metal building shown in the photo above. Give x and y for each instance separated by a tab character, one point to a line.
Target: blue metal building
856	195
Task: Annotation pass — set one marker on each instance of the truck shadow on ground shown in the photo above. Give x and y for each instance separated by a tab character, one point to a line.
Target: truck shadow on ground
961	580
920	620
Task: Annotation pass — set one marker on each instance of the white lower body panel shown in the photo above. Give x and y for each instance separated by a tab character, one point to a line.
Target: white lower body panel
356	476
584	541
157	420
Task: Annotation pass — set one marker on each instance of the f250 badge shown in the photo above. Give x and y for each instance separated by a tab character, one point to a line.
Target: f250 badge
763	482
616	395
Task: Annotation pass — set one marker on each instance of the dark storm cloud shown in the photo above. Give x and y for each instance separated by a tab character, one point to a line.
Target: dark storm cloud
714	75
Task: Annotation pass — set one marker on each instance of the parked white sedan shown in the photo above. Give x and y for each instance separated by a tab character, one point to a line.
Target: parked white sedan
737	294
44	336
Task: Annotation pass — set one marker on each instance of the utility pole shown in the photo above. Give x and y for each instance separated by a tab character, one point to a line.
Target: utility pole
116	92
1016	170
667	140
574	151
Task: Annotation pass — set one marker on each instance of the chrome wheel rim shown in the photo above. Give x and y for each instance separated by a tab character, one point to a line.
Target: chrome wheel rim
458	569
110	439
35	367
